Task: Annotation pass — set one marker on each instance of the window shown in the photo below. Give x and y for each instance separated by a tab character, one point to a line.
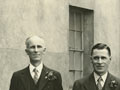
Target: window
80	33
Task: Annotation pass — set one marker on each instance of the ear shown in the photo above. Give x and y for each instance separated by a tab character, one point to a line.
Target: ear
110	57
44	50
26	51
91	59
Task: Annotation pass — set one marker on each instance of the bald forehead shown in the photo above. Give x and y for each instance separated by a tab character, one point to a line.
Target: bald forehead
35	40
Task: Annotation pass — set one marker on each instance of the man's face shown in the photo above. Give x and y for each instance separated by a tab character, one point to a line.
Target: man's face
100	61
35	48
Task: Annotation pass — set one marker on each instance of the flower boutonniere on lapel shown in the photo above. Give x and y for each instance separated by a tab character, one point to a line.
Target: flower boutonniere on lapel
50	76
113	84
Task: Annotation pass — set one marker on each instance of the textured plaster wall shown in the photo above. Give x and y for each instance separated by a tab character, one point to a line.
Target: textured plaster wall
107	29
22	18
88	4
50	19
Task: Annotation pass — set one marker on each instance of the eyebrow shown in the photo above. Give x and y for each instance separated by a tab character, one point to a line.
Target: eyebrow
36	45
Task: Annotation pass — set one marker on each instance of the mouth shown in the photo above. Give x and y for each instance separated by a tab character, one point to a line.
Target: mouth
36	55
100	67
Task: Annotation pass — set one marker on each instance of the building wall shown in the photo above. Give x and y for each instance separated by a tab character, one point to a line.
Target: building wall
87	4
22	18
107	29
50	19
106	26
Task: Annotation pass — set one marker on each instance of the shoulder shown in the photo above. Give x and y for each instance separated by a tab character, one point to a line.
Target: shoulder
114	78
114	81
19	72
82	80
80	83
52	73
51	70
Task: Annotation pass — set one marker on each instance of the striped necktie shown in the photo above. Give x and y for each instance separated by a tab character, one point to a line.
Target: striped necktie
99	83
35	78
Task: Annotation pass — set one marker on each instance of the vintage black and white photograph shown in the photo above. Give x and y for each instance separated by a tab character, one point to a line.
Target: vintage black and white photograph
59	45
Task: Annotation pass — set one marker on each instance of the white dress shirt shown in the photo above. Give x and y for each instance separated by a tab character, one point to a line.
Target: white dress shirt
104	77
39	68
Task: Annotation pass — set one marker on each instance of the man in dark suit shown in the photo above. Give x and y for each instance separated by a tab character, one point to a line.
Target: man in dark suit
36	76
100	79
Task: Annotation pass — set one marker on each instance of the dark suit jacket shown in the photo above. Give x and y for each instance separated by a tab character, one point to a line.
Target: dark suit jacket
22	80
88	83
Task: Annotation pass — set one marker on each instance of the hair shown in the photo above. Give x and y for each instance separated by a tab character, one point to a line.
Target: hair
27	40
101	46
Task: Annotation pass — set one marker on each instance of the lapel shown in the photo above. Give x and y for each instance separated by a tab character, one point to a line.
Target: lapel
90	83
26	78
107	82
42	81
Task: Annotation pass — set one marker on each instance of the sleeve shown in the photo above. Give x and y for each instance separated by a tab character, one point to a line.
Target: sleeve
76	86
13	83
58	82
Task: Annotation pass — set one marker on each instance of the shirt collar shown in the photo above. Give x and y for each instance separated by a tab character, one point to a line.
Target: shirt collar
39	68
96	76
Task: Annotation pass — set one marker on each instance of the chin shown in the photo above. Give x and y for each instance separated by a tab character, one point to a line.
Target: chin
101	72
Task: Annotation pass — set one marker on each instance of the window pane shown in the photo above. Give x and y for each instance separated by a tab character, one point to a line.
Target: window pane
72	23
78	21
78	40
78	60
72	39
78	75
80	32
72	78
71	60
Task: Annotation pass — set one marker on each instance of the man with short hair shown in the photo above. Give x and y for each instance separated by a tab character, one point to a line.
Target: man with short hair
100	79
36	76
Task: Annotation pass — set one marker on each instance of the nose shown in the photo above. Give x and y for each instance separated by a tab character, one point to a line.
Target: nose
36	49
99	60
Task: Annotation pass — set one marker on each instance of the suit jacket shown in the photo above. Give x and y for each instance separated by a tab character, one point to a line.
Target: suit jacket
22	80
88	83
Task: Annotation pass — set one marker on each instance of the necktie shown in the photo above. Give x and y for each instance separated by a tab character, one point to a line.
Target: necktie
99	83
35	78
